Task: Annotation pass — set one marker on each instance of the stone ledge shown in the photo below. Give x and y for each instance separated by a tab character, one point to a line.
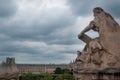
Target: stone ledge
107	71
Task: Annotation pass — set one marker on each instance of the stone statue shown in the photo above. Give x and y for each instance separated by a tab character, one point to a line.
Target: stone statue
9	70
103	51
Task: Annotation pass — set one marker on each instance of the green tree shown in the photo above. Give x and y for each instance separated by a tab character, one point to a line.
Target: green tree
65	76
67	71
58	71
48	77
59	77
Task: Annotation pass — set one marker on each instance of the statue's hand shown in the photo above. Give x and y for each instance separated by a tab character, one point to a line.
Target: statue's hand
92	23
80	35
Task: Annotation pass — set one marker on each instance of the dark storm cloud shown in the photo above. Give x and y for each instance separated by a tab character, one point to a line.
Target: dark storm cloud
7	8
113	6
84	7
36	34
50	29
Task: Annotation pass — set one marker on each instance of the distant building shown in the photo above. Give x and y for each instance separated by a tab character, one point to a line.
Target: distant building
40	68
33	68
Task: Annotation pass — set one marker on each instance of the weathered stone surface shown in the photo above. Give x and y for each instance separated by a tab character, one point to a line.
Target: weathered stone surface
102	52
8	70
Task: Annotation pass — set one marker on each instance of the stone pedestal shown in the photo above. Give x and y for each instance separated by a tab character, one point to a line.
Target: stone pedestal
110	74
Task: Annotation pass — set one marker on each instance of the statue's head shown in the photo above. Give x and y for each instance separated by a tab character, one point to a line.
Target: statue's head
97	11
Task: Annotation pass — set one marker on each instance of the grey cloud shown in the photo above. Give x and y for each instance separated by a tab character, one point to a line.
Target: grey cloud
113	7
39	29
7	8
82	7
85	7
53	27
41	59
31	54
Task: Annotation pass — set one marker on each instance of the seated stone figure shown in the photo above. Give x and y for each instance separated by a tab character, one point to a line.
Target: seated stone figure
103	50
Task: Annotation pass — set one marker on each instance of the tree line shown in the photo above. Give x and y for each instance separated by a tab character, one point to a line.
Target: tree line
59	74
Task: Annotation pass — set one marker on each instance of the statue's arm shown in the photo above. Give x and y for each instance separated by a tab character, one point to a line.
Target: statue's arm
89	27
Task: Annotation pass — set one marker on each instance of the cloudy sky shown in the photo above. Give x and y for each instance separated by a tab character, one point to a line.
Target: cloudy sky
45	31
